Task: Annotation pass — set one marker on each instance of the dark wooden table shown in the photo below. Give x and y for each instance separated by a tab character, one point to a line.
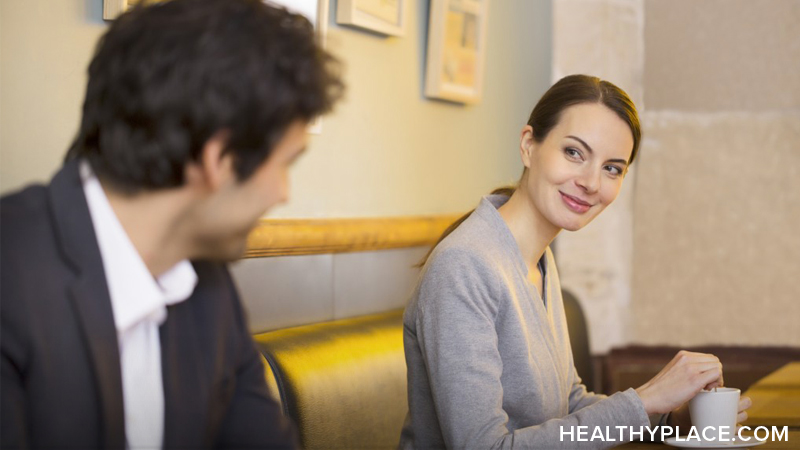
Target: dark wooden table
776	402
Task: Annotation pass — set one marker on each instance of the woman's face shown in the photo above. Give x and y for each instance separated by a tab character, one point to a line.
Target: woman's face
578	169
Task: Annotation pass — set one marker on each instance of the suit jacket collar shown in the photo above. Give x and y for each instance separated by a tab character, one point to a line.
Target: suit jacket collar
89	296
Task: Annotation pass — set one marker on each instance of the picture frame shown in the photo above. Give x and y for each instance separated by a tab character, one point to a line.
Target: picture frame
386	17
456	50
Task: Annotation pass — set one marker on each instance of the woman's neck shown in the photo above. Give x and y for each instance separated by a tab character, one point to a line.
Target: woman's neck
530	229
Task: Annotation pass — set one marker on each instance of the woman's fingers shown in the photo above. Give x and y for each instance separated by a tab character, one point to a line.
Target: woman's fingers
745	403
693	357
710	374
741	417
680	380
706	366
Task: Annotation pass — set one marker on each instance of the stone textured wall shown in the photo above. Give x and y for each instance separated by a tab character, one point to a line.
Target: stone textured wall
602	38
717	204
702	246
722	55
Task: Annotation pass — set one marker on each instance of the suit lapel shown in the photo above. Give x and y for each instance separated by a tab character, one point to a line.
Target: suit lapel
90	297
185	388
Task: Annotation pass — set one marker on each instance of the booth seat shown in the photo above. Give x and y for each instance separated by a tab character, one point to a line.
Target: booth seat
342	382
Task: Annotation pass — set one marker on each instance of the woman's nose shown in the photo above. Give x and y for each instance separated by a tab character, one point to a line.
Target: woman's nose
589	181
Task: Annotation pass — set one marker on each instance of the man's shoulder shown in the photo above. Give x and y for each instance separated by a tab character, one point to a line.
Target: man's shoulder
215	291
24	220
24	204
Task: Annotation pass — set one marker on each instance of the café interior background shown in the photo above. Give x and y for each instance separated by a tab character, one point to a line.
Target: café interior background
702	247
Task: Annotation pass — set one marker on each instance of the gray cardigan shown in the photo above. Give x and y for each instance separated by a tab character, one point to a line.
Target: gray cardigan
489	361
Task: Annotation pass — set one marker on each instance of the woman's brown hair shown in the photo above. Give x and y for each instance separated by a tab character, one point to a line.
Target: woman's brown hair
568	91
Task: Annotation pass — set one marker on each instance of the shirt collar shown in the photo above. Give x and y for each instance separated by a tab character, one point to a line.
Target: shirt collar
135	294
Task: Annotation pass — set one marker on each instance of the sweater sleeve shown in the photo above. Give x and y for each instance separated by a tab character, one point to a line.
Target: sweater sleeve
580	397
455	328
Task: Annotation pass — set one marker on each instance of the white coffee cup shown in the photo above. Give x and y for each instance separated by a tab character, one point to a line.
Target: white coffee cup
714	414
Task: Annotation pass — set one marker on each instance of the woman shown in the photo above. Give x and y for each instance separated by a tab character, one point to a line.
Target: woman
486	343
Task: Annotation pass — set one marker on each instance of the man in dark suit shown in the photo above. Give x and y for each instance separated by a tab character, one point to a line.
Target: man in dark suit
121	326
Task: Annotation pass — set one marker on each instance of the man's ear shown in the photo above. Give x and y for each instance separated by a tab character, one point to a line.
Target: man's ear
214	168
526	145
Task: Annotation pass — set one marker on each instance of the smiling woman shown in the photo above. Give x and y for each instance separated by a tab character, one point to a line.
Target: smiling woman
486	343
569	180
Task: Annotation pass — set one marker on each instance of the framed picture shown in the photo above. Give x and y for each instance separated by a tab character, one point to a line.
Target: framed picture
381	16
456	50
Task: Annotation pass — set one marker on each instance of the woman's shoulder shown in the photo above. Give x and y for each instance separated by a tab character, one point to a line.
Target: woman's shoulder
472	242
460	275
472	253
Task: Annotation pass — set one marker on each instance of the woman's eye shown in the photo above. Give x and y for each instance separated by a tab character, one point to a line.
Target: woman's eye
573	153
614	170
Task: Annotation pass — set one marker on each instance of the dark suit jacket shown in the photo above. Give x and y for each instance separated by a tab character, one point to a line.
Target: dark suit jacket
61	379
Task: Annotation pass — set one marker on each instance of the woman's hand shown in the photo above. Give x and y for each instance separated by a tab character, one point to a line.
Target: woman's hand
686	375
744	404
680	417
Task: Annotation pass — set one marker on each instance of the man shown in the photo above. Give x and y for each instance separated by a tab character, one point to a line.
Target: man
111	337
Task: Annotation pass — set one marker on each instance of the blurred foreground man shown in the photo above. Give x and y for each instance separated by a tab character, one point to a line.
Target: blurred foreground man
121	326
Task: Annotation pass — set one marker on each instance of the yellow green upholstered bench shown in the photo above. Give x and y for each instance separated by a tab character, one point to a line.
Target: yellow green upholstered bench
342	382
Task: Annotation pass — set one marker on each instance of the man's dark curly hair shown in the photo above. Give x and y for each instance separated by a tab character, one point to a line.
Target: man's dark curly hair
166	77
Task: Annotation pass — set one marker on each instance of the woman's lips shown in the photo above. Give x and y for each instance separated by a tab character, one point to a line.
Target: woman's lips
575	204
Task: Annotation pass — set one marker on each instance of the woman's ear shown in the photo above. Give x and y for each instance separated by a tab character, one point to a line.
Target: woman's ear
526	145
214	168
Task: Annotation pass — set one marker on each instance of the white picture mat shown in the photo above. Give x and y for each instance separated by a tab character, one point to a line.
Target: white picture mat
455	72
381	16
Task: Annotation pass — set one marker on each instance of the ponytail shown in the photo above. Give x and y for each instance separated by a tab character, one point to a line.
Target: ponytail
505	190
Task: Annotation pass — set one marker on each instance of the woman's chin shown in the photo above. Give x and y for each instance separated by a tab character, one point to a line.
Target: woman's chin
573	225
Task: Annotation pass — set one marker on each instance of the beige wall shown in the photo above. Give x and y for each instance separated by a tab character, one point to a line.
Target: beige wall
716	242
386	150
722	55
44	49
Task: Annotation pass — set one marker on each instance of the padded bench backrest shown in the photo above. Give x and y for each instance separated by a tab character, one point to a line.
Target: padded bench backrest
342	382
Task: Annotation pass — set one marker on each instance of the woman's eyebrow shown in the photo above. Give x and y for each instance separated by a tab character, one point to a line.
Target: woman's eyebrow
582	142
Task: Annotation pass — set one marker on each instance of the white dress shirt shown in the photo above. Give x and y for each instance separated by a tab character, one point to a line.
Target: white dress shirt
140	305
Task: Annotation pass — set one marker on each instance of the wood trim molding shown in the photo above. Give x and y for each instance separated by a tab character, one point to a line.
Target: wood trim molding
285	237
